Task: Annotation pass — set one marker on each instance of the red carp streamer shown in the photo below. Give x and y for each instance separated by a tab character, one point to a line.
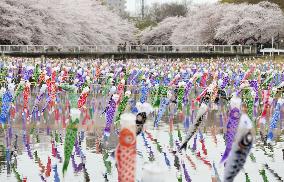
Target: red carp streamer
193	165
26	94
65	75
249	73
203	79
203	159
86	117
203	147
83	97
13	112
48	167
51	87
56	115
266	106
41	78
149	135
120	90
202	94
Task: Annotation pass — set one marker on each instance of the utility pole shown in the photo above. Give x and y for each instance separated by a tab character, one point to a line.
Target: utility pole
143	9
272	46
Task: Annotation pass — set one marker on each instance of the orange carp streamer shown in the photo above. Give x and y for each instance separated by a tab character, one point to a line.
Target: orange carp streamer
126	149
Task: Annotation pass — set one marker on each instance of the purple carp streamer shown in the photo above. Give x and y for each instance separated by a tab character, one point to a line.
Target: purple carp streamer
232	125
39	97
240	149
110	111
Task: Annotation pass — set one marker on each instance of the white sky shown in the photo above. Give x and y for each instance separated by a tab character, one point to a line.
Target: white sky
131	3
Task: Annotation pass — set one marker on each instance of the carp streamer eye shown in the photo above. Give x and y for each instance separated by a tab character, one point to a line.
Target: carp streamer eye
139	118
247	139
128	139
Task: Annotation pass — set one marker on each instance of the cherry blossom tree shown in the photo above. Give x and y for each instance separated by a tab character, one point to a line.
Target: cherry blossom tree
220	24
248	23
279	2
199	27
65	22
160	34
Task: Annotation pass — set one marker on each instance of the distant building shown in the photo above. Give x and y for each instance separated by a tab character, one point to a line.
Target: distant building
117	5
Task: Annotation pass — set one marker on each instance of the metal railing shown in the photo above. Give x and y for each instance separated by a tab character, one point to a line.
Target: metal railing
272	51
233	49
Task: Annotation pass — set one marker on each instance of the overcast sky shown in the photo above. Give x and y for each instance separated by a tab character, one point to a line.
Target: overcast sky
131	3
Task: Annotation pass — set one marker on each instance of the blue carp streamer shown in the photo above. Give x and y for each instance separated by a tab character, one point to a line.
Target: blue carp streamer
275	118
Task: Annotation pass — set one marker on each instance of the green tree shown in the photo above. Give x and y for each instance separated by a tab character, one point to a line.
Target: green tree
279	2
143	24
158	12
